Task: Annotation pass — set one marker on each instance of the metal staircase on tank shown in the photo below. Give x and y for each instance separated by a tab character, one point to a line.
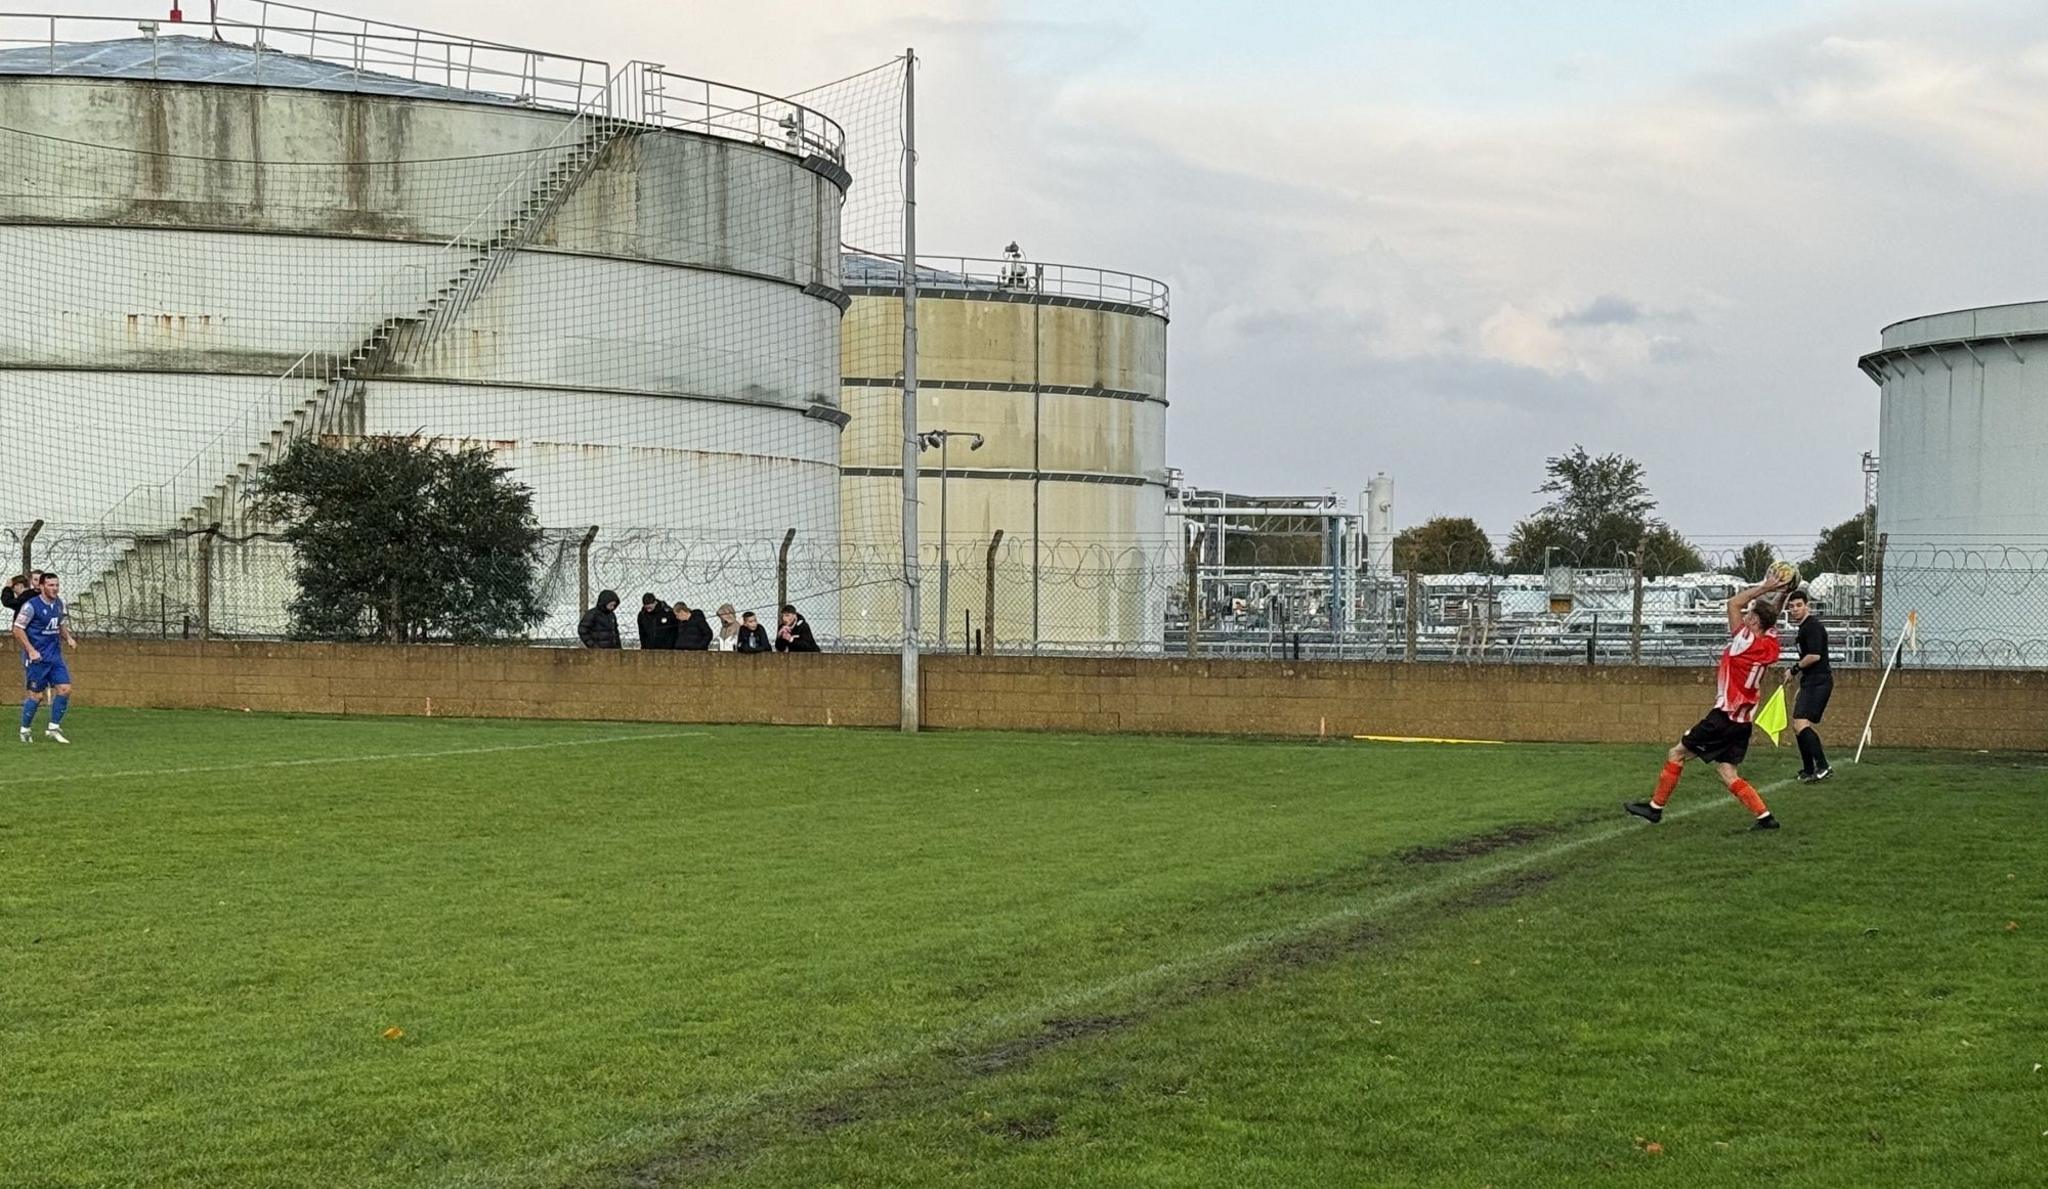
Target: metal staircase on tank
336	404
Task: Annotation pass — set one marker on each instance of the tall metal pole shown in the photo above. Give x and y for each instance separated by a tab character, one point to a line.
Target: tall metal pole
583	570
912	611
945	559
28	547
988	591
1037	437
1635	631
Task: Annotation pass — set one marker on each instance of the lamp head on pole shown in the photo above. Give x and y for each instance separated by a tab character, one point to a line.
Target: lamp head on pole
932	439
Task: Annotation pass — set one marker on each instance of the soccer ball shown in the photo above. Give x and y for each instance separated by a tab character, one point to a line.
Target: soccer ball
1785	572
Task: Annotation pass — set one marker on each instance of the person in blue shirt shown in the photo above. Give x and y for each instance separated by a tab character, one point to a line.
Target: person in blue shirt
40	629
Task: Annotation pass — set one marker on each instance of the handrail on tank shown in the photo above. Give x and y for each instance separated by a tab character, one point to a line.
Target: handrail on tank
1012	275
685	104
505	73
522	76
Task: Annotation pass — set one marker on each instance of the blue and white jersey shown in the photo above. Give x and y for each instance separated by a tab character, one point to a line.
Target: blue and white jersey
43	622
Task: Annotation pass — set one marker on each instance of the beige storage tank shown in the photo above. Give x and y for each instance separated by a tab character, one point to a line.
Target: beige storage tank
1060	372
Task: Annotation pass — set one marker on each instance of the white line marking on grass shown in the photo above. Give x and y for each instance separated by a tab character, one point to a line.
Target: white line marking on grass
639	1139
378	757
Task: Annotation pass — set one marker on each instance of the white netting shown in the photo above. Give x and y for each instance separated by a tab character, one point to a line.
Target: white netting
871	106
631	294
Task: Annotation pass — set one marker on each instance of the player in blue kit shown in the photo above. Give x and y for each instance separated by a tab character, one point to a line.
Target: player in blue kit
40	630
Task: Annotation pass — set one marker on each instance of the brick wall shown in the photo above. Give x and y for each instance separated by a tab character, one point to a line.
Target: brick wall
1932	708
698	687
1509	702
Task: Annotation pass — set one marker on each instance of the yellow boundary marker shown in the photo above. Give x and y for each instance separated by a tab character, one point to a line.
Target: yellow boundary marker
1427	739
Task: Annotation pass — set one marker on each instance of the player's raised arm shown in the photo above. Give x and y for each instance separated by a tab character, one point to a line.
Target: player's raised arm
1744	597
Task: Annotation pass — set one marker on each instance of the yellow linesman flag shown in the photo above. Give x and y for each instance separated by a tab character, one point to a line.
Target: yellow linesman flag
1771	719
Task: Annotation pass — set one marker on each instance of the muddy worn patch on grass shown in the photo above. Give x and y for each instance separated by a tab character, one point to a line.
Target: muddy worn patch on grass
1052	1033
1477	846
1506	890
936	1083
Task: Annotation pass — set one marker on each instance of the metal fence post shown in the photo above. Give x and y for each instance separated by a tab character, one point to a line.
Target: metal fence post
1877	602
1635	627
988	601
583	570
782	569
206	580
1194	595
28	547
1414	612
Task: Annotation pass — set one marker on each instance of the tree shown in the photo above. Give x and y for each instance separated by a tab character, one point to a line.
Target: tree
401	539
1665	553
1596	500
1444	545
1839	550
1598	512
1755	560
1538	540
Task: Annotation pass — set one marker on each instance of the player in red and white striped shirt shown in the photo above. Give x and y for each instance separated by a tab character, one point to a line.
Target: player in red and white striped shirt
1722	737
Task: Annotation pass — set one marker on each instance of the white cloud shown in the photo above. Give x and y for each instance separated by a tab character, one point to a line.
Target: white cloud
1390	269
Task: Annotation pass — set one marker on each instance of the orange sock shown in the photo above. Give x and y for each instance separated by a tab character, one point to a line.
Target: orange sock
1748	796
1668	781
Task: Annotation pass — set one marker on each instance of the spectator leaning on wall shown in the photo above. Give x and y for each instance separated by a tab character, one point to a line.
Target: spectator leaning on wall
693	632
599	627
657	623
795	634
753	635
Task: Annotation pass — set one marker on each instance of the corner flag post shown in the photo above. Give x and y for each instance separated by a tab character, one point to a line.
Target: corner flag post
1910	636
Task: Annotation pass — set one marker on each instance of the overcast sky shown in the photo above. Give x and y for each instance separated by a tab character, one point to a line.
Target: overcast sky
1444	239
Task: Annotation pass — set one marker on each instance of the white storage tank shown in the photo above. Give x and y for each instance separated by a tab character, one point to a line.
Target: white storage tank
623	282
1963	490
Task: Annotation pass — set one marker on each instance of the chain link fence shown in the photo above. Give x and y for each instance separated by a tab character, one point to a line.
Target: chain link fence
1977	606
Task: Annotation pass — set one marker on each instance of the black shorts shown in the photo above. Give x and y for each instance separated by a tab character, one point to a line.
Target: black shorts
1812	701
1717	738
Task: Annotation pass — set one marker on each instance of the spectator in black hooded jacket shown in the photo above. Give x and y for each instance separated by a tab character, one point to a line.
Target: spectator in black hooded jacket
599	627
657	624
693	631
795	634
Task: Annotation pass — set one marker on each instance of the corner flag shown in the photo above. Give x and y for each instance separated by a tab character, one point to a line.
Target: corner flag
1771	719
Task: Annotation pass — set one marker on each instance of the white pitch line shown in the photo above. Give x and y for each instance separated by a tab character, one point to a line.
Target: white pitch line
722	1109
378	757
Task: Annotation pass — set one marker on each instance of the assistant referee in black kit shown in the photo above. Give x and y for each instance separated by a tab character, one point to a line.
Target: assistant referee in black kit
1816	683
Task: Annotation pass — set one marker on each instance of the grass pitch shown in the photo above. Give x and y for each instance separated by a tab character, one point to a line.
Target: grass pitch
244	950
